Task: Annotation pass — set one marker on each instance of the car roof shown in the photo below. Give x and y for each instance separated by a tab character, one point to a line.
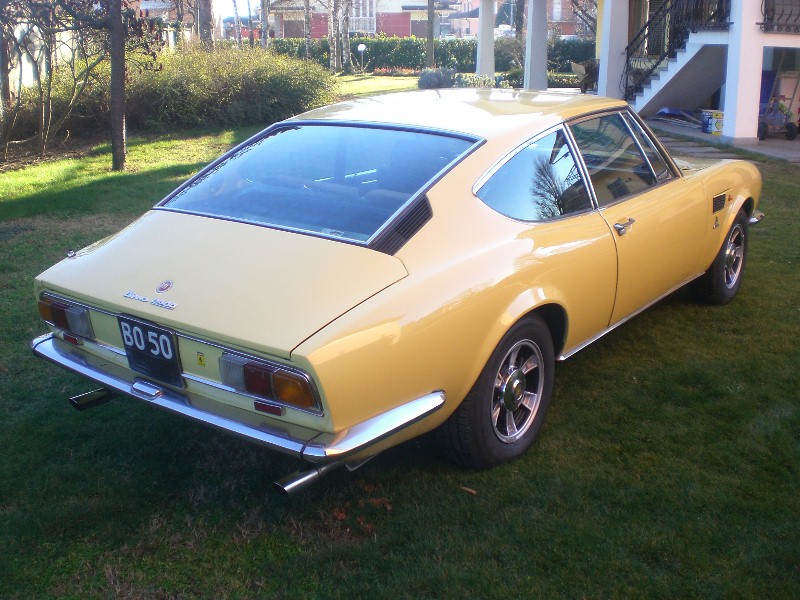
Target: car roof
485	113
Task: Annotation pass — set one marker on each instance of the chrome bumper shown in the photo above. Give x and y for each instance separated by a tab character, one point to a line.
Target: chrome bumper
756	217
300	442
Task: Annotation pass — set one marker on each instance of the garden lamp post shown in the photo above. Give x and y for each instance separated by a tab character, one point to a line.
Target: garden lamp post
361	48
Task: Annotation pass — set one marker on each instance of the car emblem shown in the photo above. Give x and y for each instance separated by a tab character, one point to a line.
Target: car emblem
164	286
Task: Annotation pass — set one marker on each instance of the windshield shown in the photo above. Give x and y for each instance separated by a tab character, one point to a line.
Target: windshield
340	181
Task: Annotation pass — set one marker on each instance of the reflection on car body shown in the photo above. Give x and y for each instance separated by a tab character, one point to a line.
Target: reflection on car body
369	271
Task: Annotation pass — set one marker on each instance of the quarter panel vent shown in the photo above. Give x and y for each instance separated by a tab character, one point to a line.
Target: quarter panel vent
394	238
718	202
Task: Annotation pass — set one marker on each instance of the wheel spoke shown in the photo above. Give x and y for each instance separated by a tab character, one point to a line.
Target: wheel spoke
530	401
499	381
512	358
530	364
511	426
496	414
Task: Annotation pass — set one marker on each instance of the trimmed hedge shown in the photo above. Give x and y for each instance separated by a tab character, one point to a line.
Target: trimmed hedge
384	52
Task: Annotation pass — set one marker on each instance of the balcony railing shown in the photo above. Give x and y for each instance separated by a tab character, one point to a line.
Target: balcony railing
781	16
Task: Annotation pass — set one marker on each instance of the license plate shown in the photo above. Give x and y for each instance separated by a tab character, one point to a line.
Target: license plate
151	350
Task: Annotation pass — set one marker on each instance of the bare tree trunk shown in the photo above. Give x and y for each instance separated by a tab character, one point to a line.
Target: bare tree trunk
250	33
237	25
429	59
519	19
265	23
206	24
347	61
5	85
47	99
117	116
333	35
307	26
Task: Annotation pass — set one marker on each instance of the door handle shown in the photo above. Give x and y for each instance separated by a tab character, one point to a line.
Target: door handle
622	228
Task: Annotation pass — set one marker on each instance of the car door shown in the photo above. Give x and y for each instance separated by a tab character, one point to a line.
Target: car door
658	219
573	259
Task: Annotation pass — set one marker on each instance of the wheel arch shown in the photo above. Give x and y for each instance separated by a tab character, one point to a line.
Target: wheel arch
555	317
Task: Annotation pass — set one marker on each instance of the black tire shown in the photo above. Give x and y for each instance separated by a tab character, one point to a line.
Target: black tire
763	131
720	284
791	131
503	413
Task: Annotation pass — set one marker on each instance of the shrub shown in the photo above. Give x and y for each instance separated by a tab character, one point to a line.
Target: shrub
509	52
469	80
194	88
562	52
436	78
563	80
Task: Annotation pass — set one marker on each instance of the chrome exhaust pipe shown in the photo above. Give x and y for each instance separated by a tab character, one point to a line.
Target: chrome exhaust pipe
91	399
300	480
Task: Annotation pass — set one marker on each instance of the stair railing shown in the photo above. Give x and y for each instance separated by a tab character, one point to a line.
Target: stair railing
664	34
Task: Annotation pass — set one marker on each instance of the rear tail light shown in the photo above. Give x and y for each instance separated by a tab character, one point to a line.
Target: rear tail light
71	318
270	382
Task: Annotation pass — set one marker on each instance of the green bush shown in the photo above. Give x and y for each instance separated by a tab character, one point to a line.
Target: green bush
509	52
194	88
225	87
562	52
383	52
436	78
563	80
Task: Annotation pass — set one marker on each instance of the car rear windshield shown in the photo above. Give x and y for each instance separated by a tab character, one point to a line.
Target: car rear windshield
340	181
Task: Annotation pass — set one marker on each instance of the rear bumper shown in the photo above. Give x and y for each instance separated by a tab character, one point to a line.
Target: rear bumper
300	442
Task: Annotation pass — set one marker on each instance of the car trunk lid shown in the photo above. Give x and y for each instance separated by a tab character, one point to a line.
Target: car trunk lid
234	283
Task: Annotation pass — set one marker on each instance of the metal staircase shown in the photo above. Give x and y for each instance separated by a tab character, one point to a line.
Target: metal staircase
663	39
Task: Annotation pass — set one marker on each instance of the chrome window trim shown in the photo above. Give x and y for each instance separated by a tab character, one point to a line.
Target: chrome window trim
665	155
627	197
501	162
631	123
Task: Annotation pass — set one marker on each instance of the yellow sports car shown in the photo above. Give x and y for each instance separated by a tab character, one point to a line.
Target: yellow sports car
353	277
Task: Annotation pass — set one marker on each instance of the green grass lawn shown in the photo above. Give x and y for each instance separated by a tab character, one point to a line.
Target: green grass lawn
667	468
366	84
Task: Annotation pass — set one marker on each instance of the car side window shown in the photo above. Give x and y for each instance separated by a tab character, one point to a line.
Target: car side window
660	167
540	182
615	163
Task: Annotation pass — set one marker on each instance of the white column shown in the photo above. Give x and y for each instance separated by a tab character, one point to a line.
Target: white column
743	72
485	62
614	17
536	46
